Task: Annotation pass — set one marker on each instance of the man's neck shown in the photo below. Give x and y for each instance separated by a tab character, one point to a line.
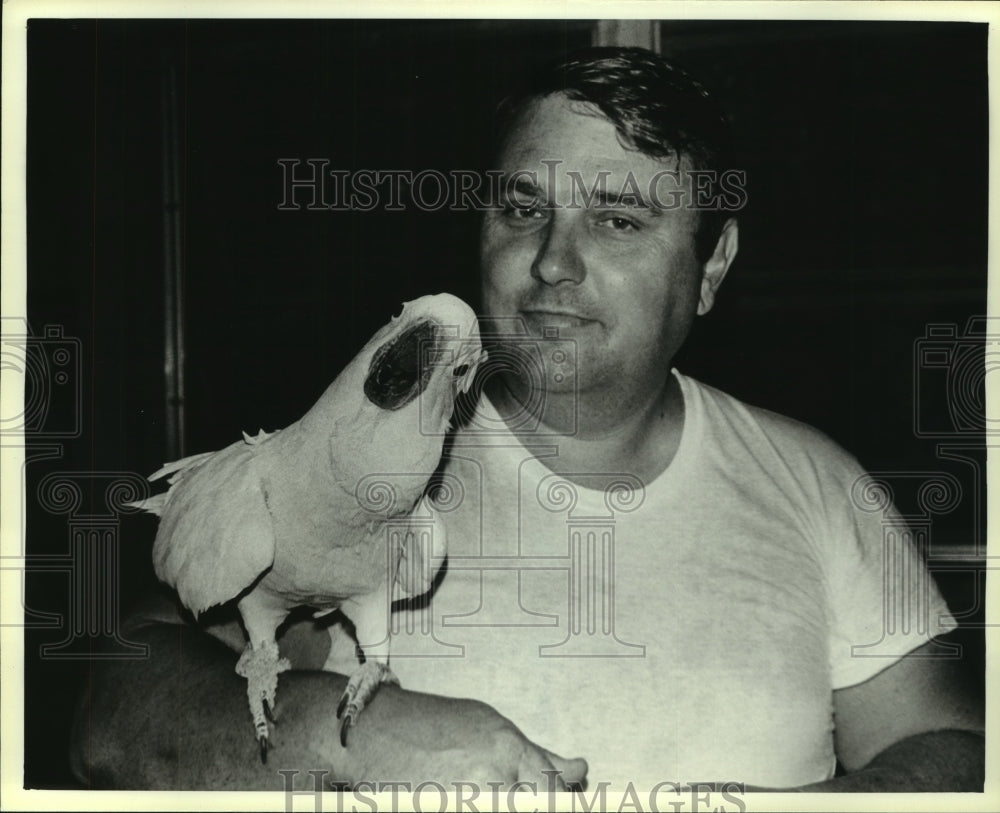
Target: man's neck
603	432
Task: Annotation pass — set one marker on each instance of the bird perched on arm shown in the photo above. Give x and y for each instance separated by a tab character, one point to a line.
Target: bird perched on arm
274	520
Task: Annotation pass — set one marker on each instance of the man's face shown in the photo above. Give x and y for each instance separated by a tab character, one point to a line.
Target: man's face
618	277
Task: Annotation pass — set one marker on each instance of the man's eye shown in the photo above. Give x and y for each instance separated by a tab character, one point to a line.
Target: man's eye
618	223
522	211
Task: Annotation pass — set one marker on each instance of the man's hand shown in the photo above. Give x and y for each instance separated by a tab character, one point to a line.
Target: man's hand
413	738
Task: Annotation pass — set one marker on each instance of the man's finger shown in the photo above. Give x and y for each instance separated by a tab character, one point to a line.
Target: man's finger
535	768
572	771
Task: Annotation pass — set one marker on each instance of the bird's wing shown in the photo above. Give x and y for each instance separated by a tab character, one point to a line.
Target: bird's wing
216	535
424	545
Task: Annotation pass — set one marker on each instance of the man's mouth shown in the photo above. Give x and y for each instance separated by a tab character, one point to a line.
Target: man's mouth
553	317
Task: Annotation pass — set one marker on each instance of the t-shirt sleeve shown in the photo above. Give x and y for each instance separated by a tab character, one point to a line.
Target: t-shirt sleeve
883	601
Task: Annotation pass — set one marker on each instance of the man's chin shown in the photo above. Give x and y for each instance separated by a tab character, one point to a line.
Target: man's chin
542	384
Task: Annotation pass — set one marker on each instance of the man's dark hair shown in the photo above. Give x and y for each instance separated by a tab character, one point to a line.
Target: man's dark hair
656	106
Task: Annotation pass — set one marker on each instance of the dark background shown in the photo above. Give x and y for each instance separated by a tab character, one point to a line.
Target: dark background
866	153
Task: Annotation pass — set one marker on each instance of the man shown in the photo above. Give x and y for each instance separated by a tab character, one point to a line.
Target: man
642	572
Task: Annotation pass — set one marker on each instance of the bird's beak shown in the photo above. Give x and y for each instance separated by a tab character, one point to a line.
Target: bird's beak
465	370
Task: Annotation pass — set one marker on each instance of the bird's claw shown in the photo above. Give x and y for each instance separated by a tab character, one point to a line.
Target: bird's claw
261	667
346	720
359	690
347	703
346	723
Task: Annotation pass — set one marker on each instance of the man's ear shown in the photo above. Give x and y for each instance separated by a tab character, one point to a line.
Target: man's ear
718	264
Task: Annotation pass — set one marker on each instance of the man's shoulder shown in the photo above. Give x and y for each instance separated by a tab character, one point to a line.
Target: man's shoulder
759	426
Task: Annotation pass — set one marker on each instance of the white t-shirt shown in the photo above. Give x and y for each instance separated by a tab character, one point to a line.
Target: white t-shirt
686	630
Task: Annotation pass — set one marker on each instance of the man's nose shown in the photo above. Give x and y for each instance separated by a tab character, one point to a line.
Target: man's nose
558	258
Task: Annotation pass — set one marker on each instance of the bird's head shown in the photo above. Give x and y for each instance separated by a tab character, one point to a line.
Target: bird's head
397	395
423	358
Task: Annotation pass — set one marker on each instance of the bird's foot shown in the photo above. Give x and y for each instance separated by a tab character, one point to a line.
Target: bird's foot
261	666
361	686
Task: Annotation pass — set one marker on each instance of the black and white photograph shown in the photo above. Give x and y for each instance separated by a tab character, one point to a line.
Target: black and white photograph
487	411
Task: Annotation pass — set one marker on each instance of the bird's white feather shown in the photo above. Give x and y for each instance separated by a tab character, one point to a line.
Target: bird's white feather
217	538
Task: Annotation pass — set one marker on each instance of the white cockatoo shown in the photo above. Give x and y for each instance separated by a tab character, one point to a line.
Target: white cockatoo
276	521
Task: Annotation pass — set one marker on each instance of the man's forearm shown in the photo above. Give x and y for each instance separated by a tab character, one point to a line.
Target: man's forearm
179	719
936	761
